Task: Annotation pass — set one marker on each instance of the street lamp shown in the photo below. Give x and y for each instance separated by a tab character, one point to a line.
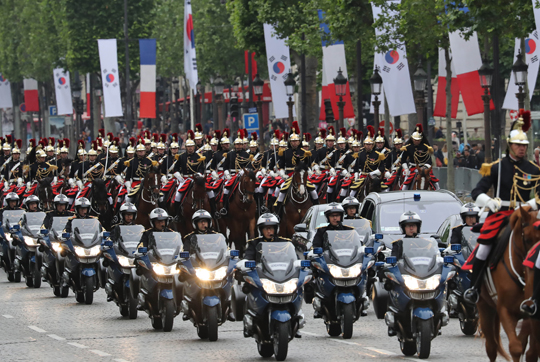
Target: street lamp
520	77
340	85
218	90
78	105
486	79
376	87
420	79
290	84
258	85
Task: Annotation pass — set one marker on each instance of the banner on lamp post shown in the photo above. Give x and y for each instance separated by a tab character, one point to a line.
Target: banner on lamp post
62	88
108	59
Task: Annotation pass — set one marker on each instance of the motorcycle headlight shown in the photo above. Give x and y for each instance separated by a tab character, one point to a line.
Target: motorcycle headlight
56	246
93	251
125	261
351	272
271	287
430	283
165	270
8	237
30	241
211	275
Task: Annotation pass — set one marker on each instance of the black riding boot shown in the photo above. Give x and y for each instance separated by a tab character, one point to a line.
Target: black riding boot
178	209
225	209
530	306
270	202
472	294
213	208
315	202
258	201
279	209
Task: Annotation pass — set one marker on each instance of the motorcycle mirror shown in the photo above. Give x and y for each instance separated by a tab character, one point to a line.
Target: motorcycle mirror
391	260
44	232
142	250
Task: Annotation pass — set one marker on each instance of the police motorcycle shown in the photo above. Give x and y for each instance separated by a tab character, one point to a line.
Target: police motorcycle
361	226
8	250
25	237
208	276
82	251
50	252
417	293
157	269
272	312
341	273
119	259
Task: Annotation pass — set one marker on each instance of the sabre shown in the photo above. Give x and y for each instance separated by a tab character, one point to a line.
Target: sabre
499	175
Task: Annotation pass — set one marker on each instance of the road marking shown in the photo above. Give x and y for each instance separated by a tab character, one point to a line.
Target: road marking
381	351
99	353
39	330
58	338
120	360
78	345
310	334
7	316
345	342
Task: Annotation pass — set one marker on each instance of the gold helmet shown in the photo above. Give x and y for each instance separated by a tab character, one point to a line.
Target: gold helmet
108	140
17	147
331	134
240	139
305	139
93	148
115	142
225	139
147	138
253	142
162	140
380	135
342	136
40	153
80	148
295	132
141	145
418	132
357	139
215	140
174	141
284	138
275	140
198	131
398	140
190	137
31	145
321	136
60	144
48	148
370	135
519	128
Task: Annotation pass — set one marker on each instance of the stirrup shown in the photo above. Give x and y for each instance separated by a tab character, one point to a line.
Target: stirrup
528	308
471	296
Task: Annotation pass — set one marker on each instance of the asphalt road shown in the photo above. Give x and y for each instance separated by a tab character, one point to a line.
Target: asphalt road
36	326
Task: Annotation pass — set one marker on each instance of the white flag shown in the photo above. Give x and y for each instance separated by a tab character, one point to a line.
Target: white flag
190	58
62	88
110	77
279	65
5	93
394	70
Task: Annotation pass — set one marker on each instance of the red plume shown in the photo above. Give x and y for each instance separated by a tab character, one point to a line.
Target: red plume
198	127
60	143
331	131
295	127
147	134
163	138
67	142
191	134
381	131
526	115
32	143
100	141
254	136
359	135
19	143
217	134
51	140
307	137
80	144
277	134
322	131
343	132
155	137
101	132
371	131
285	136
208	138
399	133
95	145
110	136
420	128
226	132
9	139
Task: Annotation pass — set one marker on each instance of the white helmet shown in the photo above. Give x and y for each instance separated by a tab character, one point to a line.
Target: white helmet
410	217
12	196
30	199
201	215
267	219
128	207
469	209
82	202
61	199
159	214
333	208
350	201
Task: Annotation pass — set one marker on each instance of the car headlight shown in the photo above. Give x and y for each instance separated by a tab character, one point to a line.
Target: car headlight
125	262
211	275
165	270
93	251
339	272
56	246
30	241
430	283
271	287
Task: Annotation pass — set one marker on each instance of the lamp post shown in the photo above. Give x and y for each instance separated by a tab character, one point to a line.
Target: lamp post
290	84
78	105
218	90
258	85
420	80
352	91
520	76
486	79
340	86
376	86
198	104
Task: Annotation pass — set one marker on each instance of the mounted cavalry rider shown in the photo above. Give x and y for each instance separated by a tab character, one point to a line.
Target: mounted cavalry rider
90	170
137	168
513	179
169	160
269	164
13	172
221	154
199	136
394	158
417	153
234	164
41	169
306	137
326	157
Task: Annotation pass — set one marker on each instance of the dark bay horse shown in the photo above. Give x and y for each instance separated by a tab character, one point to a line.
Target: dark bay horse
195	199
99	203
148	196
371	184
297	201
45	194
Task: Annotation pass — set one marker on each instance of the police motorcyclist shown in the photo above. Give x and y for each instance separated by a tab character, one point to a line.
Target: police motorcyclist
334	215
11	202
159	219
410	224
128	214
82	209
31	203
351	205
202	224
61	203
268	226
470	215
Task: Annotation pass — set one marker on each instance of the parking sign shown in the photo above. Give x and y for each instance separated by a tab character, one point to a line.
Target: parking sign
251	122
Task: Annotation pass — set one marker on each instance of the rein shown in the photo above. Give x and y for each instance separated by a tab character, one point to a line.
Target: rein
149	189
245	194
295	190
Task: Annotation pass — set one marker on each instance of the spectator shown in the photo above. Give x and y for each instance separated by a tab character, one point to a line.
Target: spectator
537	155
439	157
439	133
480	156
475	133
208	126
471	160
445	154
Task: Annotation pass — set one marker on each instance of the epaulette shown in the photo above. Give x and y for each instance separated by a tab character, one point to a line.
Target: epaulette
534	164
349	227
457	226
224	154
176	157
395	241
72	217
126	163
285	238
52	167
202	158
382	157
280	152
429	148
355	155
155	163
258	237
49	211
404	148
93	217
148	229
307	153
185	236
320	227
485	170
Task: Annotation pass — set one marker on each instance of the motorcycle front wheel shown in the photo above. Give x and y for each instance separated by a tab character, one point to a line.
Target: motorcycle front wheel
36	275
423	339
281	340
468	328
167	315
347	319
88	290
212	323
132	305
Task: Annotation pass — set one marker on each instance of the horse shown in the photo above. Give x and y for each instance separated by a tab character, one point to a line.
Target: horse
422	179
507	276
149	195
99	203
45	194
196	198
297	201
534	324
241	218
371	184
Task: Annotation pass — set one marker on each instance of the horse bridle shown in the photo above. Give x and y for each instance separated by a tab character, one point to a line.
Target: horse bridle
41	203
245	194
153	199
295	189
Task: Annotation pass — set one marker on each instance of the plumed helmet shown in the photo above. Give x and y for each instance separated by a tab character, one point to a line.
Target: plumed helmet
190	139
370	135
295	132
519	128
331	134
140	145
225	139
198	131
399	136
321	137
418	133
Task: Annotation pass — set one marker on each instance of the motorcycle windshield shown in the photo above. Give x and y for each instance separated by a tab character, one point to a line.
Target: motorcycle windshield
130	236
468	242
361	226
167	246
11	217
58	225
31	223
421	257
343	247
277	260
86	232
211	249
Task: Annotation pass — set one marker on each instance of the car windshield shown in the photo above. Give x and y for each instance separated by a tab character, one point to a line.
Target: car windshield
131	235
277	259
32	222
432	214
211	249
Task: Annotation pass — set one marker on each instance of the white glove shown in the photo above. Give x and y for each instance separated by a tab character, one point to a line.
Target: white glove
55	180
127	184
272	174
387	175
71	183
227	175
405	167
484	200
163	179
356	176
282	173
119	179
332	172
28	185
344	173
317	169
310	173
6	186
263	170
79	184
532	204
428	166
259	174
375	173
20	182
178	176
214	175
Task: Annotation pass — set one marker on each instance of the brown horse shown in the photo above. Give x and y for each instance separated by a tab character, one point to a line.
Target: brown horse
241	218
371	184
504	307
297	201
45	194
534	324
195	199
148	196
422	179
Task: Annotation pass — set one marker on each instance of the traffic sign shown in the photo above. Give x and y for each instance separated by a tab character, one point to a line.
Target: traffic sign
53	111
251	122
252	110
22	107
381	125
514	115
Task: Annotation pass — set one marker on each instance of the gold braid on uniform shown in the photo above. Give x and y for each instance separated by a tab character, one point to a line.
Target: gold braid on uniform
241	162
421	159
514	192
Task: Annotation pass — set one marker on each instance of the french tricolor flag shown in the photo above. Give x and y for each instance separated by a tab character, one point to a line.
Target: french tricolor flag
440	104
31	98
148	78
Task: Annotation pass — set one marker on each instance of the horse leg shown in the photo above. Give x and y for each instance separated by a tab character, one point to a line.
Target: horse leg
490	327
509	322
